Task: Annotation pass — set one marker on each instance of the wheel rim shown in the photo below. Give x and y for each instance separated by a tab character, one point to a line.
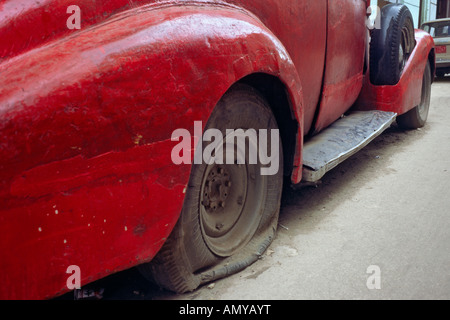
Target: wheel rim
230	203
223	196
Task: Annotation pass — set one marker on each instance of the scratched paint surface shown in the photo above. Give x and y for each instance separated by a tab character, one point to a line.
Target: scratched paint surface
85	124
86	118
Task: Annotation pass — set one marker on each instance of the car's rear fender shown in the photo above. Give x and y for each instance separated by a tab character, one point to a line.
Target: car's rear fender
406	94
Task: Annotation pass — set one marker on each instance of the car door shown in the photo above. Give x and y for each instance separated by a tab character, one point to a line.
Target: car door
301	26
344	62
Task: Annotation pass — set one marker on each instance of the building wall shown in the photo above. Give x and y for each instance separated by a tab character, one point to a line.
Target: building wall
428	11
443	9
414	7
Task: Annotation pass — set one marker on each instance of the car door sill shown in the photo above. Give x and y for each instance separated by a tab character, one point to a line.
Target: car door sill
341	140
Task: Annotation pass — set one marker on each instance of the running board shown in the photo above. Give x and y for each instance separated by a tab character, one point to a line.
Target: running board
341	140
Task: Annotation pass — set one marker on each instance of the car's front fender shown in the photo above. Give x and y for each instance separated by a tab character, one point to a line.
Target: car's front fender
85	135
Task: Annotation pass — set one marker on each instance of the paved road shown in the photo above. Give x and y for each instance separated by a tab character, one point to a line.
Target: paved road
377	228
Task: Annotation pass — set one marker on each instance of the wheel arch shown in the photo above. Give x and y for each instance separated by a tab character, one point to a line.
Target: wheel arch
112	91
277	95
432	60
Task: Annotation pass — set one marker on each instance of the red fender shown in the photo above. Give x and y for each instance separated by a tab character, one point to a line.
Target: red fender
406	94
85	136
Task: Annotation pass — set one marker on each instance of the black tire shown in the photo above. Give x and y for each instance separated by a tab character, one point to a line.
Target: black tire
440	73
417	117
391	45
230	212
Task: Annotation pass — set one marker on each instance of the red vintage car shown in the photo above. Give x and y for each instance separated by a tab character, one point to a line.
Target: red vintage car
92	94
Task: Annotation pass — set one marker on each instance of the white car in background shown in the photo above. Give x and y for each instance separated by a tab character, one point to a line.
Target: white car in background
440	31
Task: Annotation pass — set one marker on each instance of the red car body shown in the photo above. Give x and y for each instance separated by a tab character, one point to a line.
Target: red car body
86	116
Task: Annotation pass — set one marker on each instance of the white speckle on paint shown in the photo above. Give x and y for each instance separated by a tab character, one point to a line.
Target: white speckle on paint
104	221
40	229
65	241
56	211
126	229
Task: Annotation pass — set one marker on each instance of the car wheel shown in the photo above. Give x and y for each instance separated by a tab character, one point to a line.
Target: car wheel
417	117
391	45
230	212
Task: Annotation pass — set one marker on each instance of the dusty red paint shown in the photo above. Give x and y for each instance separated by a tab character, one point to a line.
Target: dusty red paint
86	117
344	61
25	24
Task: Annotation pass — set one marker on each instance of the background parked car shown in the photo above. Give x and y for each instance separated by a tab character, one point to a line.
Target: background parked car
440	31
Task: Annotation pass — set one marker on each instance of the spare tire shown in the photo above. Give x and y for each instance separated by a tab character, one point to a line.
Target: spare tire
391	45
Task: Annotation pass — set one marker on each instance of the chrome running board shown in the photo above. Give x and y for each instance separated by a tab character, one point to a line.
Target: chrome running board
341	140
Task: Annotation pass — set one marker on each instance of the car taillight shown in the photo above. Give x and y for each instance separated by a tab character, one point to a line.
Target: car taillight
441	49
